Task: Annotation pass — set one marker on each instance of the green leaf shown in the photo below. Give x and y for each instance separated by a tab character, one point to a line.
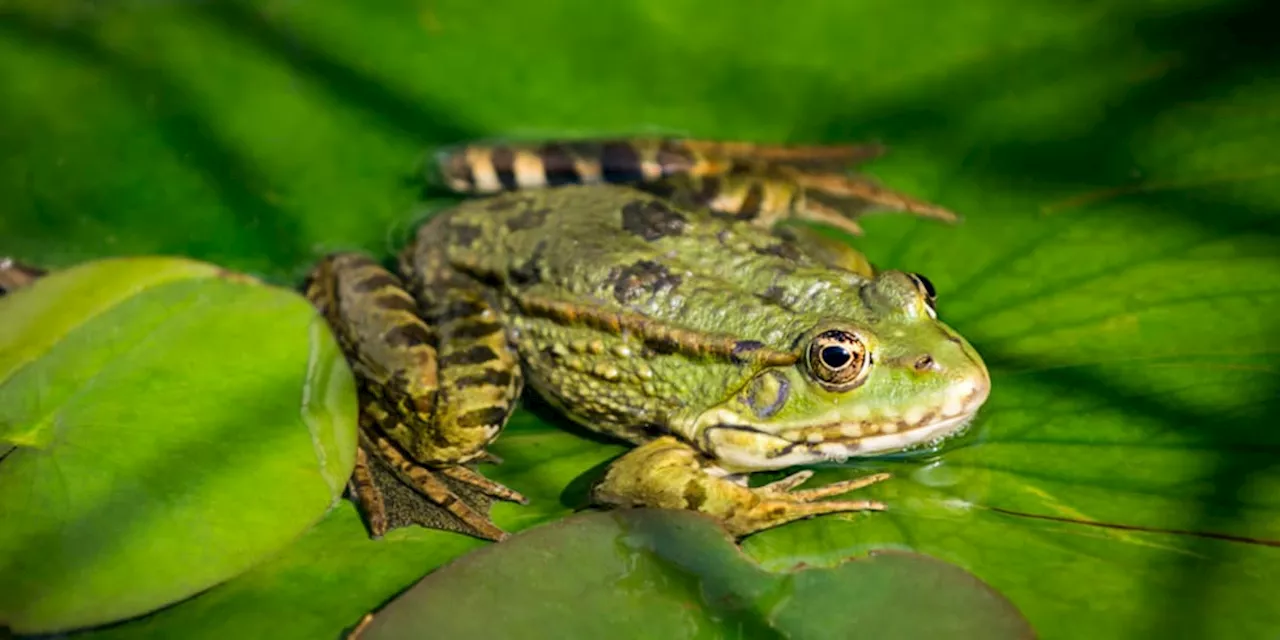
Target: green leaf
166	425
664	574
1117	265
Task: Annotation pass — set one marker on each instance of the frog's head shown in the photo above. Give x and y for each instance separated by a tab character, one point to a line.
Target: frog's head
889	377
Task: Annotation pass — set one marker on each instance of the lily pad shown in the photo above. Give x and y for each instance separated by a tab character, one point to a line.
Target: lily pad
165	426
668	574
1115	164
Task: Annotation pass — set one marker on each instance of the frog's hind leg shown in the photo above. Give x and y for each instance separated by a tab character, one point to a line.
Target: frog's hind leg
411	417
774	194
759	183
480	377
490	168
667	473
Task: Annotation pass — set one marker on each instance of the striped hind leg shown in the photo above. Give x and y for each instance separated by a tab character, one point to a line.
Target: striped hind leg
761	184
490	168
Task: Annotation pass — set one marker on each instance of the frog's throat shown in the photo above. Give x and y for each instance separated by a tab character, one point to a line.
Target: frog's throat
740	446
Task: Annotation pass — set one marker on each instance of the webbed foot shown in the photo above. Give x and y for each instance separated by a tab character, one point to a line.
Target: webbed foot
440	487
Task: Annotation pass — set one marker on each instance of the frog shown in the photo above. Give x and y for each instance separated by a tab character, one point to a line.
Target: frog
671	294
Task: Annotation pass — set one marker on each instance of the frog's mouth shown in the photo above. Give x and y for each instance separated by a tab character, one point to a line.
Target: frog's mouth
746	447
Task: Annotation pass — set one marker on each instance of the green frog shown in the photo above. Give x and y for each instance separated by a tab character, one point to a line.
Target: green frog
653	291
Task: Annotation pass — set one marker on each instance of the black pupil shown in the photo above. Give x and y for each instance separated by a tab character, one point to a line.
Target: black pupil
835	356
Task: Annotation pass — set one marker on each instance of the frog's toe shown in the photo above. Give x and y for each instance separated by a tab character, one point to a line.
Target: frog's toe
365	490
836	488
770	513
487	457
777	504
474	479
788	483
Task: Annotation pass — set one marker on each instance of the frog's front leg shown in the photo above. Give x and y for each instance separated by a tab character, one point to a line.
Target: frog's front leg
670	474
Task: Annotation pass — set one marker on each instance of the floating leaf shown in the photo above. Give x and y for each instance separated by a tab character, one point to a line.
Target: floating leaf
166	425
673	574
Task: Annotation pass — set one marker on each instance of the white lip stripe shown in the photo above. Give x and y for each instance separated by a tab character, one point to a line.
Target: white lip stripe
839	451
901	440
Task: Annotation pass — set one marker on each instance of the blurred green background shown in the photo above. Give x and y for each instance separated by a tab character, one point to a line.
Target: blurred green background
1118	265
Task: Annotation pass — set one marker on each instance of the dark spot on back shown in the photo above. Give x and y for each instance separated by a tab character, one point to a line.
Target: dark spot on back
652	219
558	165
478	354
376	282
620	163
632	282
407	335
530	218
776	296
464	235
530	272
504	164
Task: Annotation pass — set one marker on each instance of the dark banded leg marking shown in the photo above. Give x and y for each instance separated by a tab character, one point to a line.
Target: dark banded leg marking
479	372
776	181
559	166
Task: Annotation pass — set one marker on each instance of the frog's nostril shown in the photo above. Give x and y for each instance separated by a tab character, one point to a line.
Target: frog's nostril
925	363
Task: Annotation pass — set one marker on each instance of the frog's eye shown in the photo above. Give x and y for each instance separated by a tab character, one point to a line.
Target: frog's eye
926	289
838	359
